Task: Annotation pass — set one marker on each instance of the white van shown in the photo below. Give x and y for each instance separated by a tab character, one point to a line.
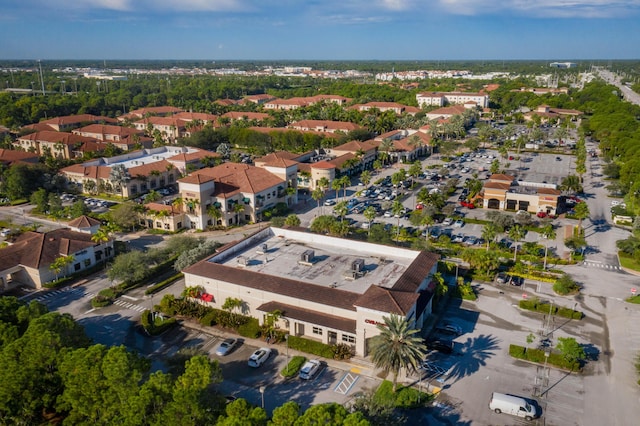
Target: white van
514	405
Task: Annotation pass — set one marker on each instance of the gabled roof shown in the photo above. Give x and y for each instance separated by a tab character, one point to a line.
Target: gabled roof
448	110
345	126
90	172
10	156
355	146
146	169
53	136
322	165
190	116
161	110
37	249
247	179
192	156
163	121
69	120
502	177
83	222
107	129
240	115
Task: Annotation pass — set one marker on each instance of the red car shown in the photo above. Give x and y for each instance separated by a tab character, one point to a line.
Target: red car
467	204
541	214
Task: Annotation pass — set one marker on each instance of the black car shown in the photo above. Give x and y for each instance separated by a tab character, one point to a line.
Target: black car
440	345
517	281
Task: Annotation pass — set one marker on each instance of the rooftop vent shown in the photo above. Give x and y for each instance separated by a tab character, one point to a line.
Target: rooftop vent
307	257
264	249
243	261
356	271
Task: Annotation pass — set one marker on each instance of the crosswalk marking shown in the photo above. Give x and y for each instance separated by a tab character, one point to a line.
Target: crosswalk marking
128	305
595	264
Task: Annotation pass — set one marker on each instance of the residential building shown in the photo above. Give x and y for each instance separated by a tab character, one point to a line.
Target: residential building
447	112
232	116
234	193
546	113
146	169
70	122
444	98
259	99
295	103
28	259
58	144
9	157
124	138
407	145
325	126
161	111
169	128
326	289
387	106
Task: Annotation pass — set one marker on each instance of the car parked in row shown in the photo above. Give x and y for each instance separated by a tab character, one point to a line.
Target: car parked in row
259	357
309	369
226	346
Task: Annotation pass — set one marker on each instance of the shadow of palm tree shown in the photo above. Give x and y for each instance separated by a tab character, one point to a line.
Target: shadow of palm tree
473	355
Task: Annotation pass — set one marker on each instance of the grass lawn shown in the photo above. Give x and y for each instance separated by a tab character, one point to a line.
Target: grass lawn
628	262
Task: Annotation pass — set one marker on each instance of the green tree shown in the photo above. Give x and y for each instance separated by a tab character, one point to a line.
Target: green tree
397	347
336	184
365	178
317	195
495	166
370	214
286	414
125	216
581	213
570	349
292	220
41	199
489	232
126	267
79	208
341	210
549	233
516	233
231	304
398	211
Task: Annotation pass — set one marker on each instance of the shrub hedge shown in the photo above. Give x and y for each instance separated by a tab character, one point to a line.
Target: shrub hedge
250	329
310	346
155	325
164	283
545	308
404	397
292	368
538	356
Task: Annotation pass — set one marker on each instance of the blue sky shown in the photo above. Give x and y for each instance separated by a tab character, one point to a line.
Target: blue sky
320	29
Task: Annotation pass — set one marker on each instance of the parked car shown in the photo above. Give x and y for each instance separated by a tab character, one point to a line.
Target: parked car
259	357
440	345
309	369
449	328
330	203
447	222
226	346
517	281
503	278
458	223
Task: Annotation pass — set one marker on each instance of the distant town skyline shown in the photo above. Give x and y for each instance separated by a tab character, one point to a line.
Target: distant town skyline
320	30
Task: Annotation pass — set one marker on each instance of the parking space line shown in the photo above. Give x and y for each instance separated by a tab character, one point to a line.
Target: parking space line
346	383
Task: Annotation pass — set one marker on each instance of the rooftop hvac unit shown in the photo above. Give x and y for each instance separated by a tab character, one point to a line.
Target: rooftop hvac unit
242	261
264	248
357	265
307	256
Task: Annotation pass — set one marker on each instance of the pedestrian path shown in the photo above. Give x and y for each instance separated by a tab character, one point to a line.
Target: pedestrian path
128	305
597	264
47	296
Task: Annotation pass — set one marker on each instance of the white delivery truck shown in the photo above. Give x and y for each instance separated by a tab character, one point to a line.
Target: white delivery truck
514	405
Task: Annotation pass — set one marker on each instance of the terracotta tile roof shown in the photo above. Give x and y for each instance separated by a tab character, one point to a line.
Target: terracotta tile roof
105	129
226	102
412	277
549	191
386	300
38	127
196	179
497	185
322	165
502	177
248	179
296	102
339	161
83	222
89	172
321	125
162	207
274	284
10	156
196	155
355	146
146	169
53	136
163	121
449	110
161	110
268	130
191	116
239	115
77	119
36	249
277	155
311	317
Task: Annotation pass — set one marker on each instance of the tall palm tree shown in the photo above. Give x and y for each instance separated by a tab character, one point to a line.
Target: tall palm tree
581	213
215	213
516	233
336	185
549	233
489	232
398	210
344	182
369	214
365	178
396	347
237	209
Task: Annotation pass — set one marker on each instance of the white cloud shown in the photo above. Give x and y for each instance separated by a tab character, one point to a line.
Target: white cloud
396	4
543	8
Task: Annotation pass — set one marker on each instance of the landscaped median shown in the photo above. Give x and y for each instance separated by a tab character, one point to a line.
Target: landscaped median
538	356
536	305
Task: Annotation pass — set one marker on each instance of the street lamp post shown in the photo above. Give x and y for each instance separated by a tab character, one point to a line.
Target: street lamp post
262	389
286	338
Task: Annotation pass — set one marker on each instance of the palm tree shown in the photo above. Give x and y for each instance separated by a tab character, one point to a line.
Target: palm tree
396	347
398	210
317	195
214	213
341	210
369	214
344	182
489	232
237	209
571	183
365	178
336	185
386	146
516	233
581	213
549	233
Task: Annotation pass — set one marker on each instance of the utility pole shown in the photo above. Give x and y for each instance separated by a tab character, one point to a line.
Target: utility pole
41	76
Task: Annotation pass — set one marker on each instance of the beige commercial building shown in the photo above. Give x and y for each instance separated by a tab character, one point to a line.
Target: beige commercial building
326	289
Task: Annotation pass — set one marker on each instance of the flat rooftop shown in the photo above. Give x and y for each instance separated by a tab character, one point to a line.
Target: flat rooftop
280	252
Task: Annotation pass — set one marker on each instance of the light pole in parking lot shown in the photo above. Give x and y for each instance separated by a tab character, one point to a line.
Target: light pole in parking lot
262	389
286	338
